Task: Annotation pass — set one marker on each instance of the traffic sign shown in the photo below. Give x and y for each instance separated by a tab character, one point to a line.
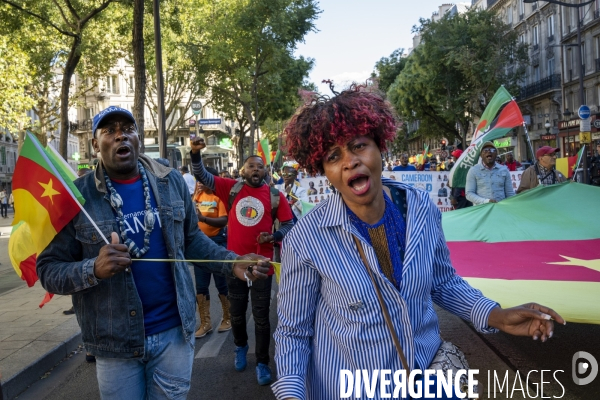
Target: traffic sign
196	107
585	137
584	112
210	121
597	124
585	125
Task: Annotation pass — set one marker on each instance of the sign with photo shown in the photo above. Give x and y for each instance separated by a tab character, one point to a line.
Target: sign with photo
435	183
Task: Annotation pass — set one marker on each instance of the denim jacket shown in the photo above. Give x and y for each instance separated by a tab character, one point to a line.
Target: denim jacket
484	184
109	311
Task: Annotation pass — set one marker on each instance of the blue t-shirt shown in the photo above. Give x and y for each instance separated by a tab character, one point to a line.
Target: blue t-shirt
407	168
153	280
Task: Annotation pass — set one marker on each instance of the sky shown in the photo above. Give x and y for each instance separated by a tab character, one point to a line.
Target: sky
354	34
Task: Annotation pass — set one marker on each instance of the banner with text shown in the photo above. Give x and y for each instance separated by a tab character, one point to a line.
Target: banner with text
435	183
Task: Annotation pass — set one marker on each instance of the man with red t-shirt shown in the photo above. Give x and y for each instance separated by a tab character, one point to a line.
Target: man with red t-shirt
250	227
511	163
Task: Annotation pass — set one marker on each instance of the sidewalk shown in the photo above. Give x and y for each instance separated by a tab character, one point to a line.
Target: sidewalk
32	340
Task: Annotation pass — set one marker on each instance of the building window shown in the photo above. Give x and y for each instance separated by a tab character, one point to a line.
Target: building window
111	84
551	26
536	74
131	86
509	15
550	66
522	38
521	7
535	36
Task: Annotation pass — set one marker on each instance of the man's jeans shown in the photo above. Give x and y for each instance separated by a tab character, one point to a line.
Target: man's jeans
4	210
164	372
203	278
260	294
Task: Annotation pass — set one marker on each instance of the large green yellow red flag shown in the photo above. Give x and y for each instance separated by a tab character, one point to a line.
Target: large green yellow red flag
539	246
509	117
262	148
44	203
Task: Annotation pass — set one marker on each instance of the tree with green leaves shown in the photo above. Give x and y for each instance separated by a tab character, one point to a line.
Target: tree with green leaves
14	101
388	68
247	58
80	30
180	75
449	78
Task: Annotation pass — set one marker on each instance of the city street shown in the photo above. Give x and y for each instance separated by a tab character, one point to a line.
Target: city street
215	378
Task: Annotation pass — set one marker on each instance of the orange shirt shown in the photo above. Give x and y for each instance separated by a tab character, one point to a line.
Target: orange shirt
209	206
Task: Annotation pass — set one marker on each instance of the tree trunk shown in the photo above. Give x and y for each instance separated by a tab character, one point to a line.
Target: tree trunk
139	64
71	64
248	111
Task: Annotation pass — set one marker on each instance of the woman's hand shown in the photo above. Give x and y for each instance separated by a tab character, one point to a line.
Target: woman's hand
526	320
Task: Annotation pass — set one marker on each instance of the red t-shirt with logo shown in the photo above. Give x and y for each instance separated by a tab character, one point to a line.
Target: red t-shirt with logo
250	215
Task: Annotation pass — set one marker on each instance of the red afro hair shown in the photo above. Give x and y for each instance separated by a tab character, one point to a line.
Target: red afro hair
325	122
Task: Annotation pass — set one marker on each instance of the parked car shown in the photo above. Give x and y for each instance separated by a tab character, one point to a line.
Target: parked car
524	166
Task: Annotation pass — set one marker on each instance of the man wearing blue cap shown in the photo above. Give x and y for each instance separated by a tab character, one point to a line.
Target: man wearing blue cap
137	318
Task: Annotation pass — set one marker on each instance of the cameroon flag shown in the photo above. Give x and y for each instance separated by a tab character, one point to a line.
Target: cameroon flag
539	246
44	203
263	151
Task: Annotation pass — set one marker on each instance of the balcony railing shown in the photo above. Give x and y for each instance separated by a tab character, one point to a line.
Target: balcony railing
521	17
541	86
551	38
81	125
536	47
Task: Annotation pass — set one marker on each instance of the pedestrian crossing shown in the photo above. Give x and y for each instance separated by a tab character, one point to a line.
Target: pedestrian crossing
212	347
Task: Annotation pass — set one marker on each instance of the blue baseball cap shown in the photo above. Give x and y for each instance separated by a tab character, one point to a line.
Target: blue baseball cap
112	110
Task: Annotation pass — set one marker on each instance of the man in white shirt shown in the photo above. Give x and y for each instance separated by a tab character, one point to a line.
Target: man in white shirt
189	179
294	193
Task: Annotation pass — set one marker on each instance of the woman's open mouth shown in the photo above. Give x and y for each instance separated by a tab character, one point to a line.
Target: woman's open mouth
359	184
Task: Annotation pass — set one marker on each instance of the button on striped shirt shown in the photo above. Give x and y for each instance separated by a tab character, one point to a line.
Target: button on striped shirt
329	315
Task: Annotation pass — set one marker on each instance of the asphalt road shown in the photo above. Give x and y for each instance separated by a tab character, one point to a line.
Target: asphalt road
524	355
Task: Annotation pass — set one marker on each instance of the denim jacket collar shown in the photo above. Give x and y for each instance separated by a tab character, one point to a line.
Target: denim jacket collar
482	167
159	170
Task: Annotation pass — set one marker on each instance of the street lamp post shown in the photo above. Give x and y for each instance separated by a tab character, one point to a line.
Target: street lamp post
547	125
567	117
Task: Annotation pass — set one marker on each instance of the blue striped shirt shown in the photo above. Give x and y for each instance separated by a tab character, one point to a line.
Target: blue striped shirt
329	315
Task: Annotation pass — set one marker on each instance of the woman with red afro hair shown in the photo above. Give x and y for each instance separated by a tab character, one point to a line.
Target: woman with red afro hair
375	248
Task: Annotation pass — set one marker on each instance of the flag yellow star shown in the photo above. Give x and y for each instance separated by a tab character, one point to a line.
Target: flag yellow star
591	264
49	191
